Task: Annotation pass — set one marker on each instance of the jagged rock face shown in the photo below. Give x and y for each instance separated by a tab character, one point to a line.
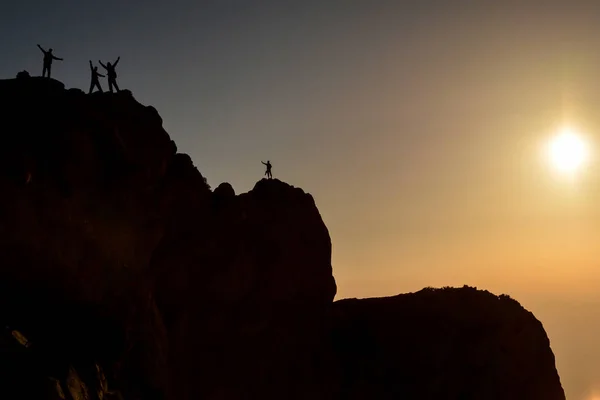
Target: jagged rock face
247	295
442	344
123	276
99	217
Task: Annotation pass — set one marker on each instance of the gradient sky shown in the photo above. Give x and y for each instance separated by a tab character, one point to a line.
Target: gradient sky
416	125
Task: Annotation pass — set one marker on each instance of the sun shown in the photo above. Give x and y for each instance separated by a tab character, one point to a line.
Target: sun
568	151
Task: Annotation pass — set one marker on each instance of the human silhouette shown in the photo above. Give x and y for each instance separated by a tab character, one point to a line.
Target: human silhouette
111	74
268	171
48	58
95	82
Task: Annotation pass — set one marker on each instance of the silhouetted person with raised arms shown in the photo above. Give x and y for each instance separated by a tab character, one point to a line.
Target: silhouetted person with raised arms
268	171
111	74
95	81
48	58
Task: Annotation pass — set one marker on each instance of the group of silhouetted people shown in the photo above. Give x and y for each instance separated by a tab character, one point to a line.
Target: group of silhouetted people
111	74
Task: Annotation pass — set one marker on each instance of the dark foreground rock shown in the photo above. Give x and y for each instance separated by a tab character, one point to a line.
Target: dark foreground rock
442	343
122	275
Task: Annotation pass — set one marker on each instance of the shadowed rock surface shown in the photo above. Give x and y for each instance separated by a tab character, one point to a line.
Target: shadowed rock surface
122	275
446	343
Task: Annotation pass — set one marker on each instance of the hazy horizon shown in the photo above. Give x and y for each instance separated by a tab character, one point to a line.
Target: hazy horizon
418	127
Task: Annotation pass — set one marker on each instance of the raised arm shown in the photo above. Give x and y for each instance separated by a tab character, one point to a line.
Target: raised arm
91	66
103	66
263	163
116	62
40	47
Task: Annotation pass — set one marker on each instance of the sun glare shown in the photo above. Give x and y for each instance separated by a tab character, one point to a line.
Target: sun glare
568	151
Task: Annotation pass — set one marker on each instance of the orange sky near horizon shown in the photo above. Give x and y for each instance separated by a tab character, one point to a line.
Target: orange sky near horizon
510	223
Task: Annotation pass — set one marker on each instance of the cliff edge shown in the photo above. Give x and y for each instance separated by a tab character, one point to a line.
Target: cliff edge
450	343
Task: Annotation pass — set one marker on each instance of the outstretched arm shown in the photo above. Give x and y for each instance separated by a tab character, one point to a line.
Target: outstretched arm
40	47
57	58
263	163
116	62
100	75
103	66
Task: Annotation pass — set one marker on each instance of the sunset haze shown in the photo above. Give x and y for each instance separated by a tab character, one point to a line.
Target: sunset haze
419	127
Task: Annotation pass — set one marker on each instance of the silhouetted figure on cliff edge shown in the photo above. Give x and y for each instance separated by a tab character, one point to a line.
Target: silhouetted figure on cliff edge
48	58
111	74
268	171
95	81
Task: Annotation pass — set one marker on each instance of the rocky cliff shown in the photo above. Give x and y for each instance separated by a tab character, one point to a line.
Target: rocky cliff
122	275
450	343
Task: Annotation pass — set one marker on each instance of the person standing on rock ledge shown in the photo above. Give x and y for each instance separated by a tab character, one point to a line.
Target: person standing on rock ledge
48	58
268	171
95	81
112	74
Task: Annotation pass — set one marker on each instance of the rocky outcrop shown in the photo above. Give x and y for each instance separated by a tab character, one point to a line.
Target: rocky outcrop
442	343
244	295
122	275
